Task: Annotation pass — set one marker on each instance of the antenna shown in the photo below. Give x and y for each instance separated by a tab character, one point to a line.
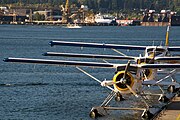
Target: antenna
153	43
161	43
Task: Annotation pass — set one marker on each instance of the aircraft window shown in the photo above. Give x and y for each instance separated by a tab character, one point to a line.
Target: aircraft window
157	50
160	50
156	53
150	49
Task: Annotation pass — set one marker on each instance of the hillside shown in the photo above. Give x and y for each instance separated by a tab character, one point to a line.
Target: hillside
104	5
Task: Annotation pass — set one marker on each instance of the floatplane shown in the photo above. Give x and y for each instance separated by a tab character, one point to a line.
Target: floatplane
152	54
128	78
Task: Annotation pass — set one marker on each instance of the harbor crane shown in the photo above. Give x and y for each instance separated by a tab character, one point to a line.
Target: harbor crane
66	12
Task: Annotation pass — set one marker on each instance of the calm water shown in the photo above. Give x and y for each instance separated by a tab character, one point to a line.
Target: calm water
63	93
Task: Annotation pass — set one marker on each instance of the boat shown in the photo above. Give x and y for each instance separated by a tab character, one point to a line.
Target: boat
104	18
73	26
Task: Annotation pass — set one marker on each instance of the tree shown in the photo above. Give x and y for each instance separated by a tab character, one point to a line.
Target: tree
38	17
105	5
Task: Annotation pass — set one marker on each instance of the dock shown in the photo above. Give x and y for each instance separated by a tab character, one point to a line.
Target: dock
171	112
154	23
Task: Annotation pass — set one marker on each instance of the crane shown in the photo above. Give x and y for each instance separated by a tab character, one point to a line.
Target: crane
66	12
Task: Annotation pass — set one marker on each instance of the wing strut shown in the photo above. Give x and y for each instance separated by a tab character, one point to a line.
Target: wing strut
119	52
169	75
93	77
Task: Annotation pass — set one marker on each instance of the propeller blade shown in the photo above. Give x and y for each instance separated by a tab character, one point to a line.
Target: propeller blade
126	69
132	91
107	83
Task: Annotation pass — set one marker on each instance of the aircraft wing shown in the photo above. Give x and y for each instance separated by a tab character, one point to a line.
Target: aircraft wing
89	56
173	60
88	64
61	62
163	83
167	58
97	45
158	66
174	48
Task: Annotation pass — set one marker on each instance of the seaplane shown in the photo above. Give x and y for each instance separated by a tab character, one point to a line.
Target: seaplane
160	53
128	79
152	54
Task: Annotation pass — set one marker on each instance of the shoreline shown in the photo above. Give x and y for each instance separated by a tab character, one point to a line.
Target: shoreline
58	23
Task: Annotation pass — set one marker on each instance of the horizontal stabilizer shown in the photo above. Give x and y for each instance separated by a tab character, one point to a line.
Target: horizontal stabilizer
97	45
89	56
59	62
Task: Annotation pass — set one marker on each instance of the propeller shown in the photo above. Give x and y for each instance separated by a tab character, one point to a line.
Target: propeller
124	81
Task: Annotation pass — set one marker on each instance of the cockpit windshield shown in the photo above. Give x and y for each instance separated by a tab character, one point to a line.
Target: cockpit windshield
156	51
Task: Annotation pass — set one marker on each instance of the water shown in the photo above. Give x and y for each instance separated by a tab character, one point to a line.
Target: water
30	91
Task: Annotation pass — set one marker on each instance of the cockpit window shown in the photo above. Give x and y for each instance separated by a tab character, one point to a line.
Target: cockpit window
158	51
150	49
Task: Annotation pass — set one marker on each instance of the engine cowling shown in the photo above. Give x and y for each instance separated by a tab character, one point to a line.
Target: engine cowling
129	79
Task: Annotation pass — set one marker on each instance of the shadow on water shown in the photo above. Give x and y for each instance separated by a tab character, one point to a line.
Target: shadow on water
47	84
23	84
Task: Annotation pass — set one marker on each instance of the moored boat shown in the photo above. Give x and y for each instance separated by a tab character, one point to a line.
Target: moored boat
73	26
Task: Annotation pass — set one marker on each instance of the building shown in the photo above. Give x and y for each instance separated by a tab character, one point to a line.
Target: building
14	16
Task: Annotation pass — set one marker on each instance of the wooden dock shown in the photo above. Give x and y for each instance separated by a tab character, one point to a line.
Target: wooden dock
154	23
172	111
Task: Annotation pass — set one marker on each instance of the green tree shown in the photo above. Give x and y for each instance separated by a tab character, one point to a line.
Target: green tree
103	5
38	17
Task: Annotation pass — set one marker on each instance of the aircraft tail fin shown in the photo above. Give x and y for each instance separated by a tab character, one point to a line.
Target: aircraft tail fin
167	36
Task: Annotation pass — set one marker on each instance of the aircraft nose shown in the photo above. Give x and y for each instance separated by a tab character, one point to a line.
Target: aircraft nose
51	43
44	54
6	59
